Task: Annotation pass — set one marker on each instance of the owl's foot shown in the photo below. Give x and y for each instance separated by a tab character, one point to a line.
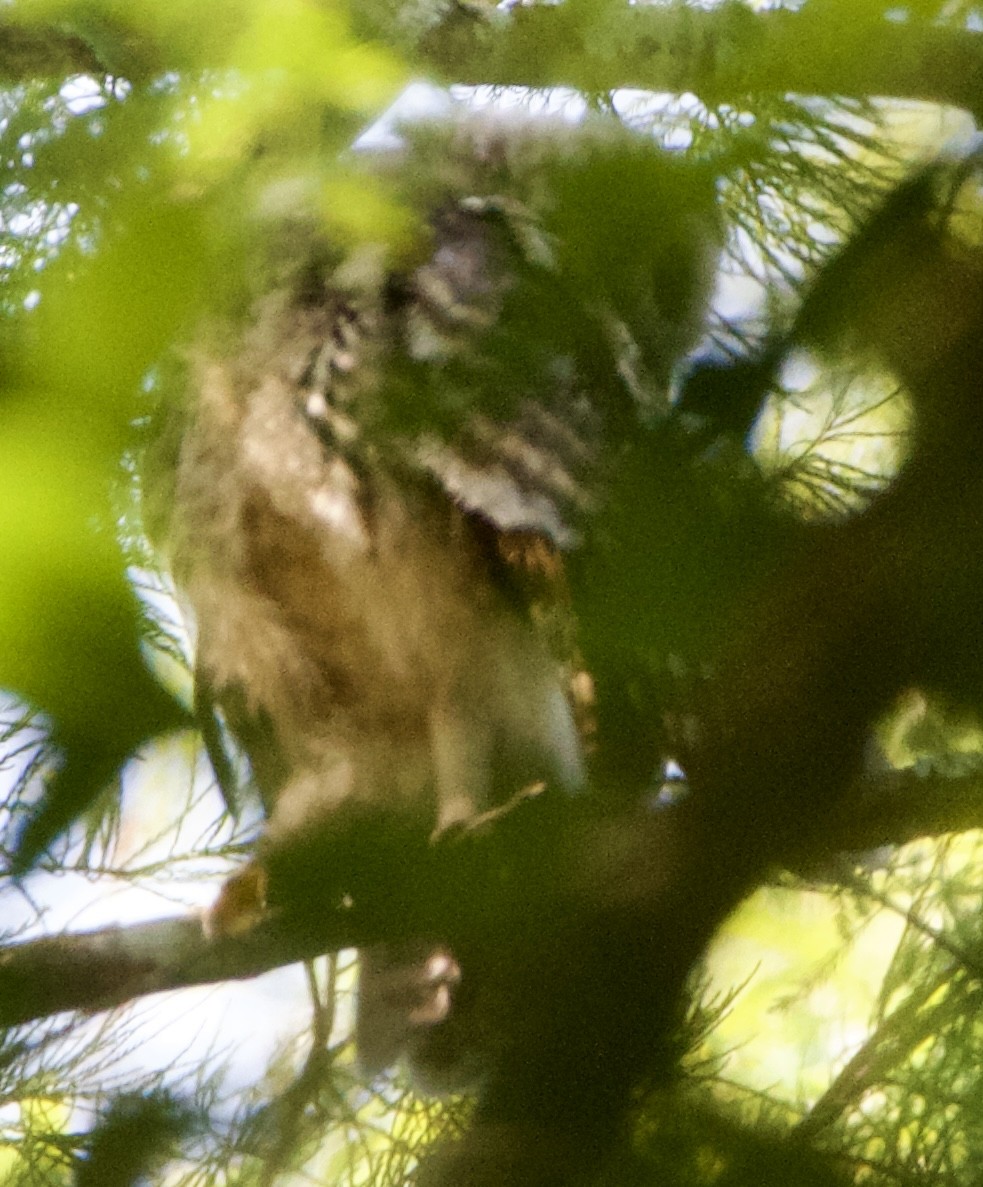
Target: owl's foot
241	904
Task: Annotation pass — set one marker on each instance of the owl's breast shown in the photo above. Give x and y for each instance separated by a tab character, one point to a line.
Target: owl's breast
358	608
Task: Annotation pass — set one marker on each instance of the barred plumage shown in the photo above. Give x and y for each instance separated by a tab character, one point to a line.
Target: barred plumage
378	477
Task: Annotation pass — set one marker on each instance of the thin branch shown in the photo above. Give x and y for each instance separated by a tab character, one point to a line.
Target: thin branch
99	969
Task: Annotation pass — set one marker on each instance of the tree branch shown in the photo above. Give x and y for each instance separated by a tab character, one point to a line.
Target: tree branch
44	51
100	969
724	55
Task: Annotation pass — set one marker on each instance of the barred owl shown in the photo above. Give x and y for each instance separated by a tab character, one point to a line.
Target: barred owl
381	469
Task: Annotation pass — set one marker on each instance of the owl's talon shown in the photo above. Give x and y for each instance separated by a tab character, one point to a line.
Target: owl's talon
240	906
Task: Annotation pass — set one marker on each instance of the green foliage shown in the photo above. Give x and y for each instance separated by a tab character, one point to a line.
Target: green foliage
135	1133
133	214
142	188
